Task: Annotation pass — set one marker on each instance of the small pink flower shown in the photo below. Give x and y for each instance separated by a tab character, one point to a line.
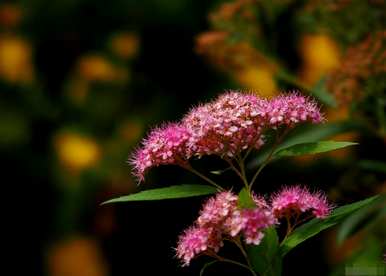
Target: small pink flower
298	200
256	221
197	240
260	201
164	145
251	223
319	205
226	126
234	223
217	209
291	109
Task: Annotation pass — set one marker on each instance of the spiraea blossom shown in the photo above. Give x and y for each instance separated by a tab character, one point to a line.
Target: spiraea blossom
230	124
197	240
250	223
206	235
297	200
226	126
221	212
221	218
291	109
163	146
217	209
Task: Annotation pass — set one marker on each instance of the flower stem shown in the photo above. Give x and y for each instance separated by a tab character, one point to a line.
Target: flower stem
289	227
222	259
265	163
268	159
298	222
210	181
241	247
240	173
243	173
247	154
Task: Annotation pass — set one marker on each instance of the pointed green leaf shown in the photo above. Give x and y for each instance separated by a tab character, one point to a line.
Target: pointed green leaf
245	199
362	219
313	148
313	133
307	134
179	191
315	226
265	257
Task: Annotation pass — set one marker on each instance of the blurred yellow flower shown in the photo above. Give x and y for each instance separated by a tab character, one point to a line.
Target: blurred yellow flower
320	55
10	15
77	152
95	67
77	256
258	78
15	60
125	45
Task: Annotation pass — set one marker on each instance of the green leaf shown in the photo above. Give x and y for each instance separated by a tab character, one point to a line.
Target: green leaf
307	134
265	257
315	226
312	148
362	219
179	191
314	133
245	199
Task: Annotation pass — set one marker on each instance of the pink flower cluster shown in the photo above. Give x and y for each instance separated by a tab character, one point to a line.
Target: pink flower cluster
221	218
163	146
251	223
225	127
297	200
291	109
